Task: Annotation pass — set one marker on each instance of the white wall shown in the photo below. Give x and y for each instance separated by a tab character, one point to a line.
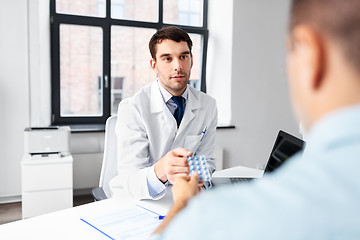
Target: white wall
14	94
259	99
25	96
39	63
219	57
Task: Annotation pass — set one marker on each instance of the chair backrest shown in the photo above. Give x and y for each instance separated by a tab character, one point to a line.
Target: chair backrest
109	164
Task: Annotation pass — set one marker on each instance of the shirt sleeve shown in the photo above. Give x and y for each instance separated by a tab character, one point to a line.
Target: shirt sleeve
157	189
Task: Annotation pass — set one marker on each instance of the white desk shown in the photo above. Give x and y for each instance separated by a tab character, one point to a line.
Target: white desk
66	224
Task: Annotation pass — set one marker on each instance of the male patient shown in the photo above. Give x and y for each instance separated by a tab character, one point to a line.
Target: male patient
165	122
313	197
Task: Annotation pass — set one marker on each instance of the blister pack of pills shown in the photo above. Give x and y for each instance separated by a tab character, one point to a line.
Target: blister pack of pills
198	164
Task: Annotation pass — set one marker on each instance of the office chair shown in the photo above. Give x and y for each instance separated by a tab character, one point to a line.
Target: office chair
109	164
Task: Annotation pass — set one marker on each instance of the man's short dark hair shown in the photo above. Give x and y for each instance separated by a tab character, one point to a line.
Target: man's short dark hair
172	33
337	19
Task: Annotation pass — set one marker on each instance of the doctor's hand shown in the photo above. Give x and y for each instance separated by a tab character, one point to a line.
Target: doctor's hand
173	165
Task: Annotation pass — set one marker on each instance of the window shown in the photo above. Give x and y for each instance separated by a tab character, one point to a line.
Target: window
100	55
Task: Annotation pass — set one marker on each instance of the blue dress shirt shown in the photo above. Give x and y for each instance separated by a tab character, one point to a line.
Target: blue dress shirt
167	98
316	196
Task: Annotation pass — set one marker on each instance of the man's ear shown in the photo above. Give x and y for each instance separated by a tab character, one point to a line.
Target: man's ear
192	61
153	64
310	48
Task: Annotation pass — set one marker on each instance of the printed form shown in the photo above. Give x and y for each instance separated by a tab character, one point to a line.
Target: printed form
126	224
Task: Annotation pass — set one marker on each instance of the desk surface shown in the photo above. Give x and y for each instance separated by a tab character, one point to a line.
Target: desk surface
66	224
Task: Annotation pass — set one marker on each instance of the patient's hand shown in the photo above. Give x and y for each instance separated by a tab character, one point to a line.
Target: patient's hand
185	188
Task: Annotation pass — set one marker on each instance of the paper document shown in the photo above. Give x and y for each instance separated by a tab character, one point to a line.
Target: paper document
160	206
131	223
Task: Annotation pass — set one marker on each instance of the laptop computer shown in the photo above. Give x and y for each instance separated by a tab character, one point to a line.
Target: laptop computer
285	146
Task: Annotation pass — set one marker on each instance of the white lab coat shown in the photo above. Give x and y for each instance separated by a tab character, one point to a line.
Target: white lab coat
146	130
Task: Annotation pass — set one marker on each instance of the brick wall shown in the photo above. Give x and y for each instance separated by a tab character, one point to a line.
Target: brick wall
81	53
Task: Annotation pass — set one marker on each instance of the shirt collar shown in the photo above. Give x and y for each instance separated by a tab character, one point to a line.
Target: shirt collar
167	96
335	128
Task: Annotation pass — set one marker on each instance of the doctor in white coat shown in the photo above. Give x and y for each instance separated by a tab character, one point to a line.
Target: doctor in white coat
152	141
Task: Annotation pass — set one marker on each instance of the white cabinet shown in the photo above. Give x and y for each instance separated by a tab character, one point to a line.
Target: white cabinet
47	184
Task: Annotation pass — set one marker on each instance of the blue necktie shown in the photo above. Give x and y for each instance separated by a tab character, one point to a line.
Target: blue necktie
179	112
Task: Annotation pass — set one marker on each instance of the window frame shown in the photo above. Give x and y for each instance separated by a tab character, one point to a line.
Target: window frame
56	19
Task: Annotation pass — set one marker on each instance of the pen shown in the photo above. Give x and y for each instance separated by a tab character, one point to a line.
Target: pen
160	217
203	133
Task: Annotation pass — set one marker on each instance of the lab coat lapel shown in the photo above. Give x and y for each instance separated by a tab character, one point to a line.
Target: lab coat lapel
191	105
161	112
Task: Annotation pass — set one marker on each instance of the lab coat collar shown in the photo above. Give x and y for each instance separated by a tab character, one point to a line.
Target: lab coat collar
158	105
167	96
161	111
191	105
157	102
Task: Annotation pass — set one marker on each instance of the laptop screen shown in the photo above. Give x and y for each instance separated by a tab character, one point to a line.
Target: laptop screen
285	146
